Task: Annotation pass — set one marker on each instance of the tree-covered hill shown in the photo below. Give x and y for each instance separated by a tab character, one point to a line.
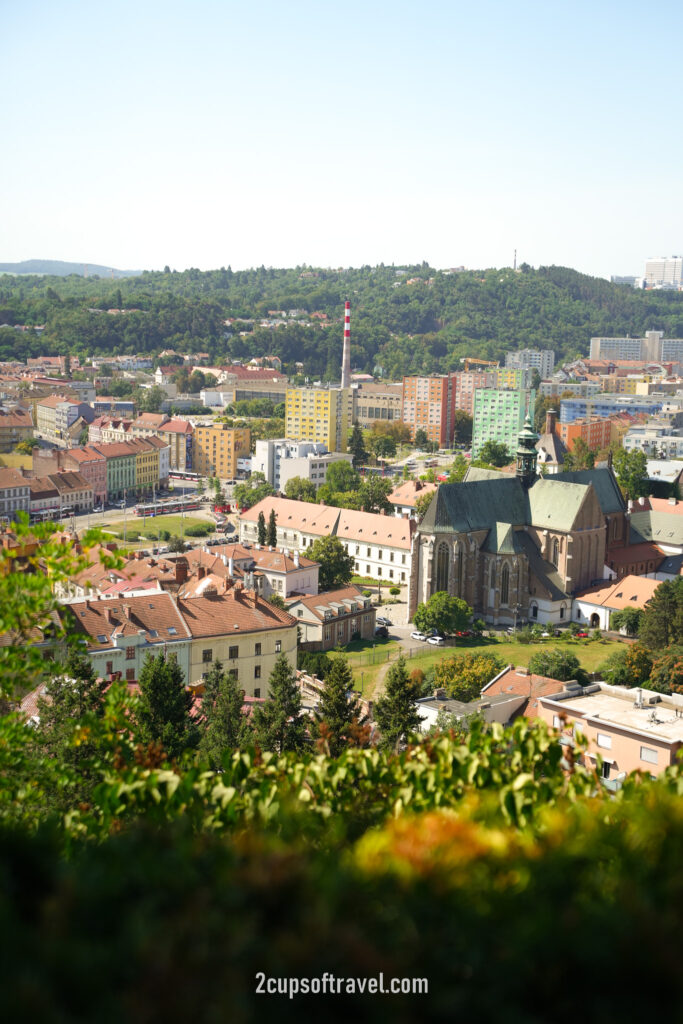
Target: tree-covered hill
404	319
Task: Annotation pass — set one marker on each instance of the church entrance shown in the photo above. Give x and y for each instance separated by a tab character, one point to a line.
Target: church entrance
595	621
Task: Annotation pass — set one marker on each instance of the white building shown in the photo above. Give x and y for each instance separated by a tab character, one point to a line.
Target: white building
542	360
280	460
664	272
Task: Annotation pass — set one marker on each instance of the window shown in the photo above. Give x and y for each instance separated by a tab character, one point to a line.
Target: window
233	653
648	754
442	566
257	671
278	646
505	585
257	650
367	552
556	552
257	691
207	655
604	740
391	556
110	667
606	769
232	673
130	653
130	675
379	555
557	722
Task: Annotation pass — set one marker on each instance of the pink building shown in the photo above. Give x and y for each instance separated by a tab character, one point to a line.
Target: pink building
86	461
630	730
465	385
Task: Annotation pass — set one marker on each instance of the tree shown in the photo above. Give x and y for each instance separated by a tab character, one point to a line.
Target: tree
338	721
395	712
420	438
580	456
150	399
373	494
631	470
26	447
201	488
662	621
629	665
271	535
278	723
628	619
443	613
464	676
356	445
253	490
164	711
223	718
494	453
462	427
299	488
457	471
341	476
384	447
277	601
337	566
176	544
261	532
422	503
667	672
557	664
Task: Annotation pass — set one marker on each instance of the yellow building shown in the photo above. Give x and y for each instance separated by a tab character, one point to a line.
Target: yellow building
318	414
146	465
513	378
217	449
15	426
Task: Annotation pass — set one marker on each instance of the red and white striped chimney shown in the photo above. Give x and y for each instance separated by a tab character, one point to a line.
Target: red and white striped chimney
346	354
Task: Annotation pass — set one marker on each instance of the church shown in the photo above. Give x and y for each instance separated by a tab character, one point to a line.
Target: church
516	548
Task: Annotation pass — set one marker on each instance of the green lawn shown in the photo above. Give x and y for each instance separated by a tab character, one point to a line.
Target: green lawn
367	663
150	526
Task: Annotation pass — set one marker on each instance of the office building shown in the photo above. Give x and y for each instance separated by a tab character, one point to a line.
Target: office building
664	272
280	460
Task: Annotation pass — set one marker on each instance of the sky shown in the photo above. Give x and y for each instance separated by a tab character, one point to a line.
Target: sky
206	134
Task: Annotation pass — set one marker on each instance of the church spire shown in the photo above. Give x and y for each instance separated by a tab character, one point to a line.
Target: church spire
526	453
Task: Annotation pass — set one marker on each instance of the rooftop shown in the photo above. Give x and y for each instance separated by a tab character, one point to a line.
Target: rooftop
650	714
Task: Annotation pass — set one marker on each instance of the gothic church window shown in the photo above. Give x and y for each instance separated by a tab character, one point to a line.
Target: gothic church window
556	552
505	585
442	567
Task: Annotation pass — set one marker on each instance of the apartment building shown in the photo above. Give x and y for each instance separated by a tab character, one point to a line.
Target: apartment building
281	459
217	447
627	729
466	383
606	406
120	463
542	360
15	493
319	414
514	377
499	416
333	618
88	462
664	272
428	405
15	426
653	347
595	432
656	440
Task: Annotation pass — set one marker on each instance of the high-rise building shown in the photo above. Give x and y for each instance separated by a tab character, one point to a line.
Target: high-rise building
499	415
428	405
654	347
664	272
318	414
466	383
542	360
217	448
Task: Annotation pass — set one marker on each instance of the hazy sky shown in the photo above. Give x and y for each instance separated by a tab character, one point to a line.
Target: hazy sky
139	134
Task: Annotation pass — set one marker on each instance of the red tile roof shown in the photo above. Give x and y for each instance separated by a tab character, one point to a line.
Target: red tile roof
520	682
235	612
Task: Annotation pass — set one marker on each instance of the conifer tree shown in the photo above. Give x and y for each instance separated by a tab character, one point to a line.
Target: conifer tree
356	445
395	712
224	720
164	709
338	721
271	538
278	724
261	528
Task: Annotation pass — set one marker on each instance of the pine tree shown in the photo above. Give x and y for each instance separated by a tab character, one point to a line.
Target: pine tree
338	722
164	710
261	528
224	720
356	446
271	538
395	712
278	724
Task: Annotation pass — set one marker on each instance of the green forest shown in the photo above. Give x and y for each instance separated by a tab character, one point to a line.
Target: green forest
403	319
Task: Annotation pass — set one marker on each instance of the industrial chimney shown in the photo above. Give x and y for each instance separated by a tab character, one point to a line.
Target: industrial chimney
346	354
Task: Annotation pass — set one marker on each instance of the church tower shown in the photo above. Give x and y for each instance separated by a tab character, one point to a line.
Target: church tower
526	453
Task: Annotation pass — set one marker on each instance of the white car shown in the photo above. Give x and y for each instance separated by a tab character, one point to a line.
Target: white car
417	635
438	641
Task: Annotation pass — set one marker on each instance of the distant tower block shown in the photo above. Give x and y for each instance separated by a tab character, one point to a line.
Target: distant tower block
346	355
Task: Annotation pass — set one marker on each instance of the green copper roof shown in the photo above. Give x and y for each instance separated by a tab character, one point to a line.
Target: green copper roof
527	438
554	504
502	540
659	527
606	487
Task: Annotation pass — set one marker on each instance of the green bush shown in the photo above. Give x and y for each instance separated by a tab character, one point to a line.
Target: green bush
199	530
394	591
366	593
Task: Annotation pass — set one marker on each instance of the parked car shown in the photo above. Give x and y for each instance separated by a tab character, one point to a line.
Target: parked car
417	635
98	508
437	641
381	621
382	631
582	635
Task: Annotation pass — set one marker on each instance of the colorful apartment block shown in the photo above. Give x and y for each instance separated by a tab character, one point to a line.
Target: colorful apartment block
428	405
597	433
318	414
499	416
465	386
217	449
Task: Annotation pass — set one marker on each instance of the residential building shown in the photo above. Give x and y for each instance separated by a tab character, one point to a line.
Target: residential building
217	447
105	405
513	377
15	426
655	440
119	634
627	729
466	383
282	573
318	414
15	493
245	383
609	405
654	347
120	460
178	434
373	402
333	618
532	359
520	682
146	465
664	271
89	462
576	389
596	432
280	460
380	545
595	605
499	416
497	708
244	632
404	496
428	405
75	492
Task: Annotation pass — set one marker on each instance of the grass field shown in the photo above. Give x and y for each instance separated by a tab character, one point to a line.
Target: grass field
367	662
150	527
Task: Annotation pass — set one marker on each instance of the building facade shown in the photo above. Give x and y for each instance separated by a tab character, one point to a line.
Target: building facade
542	360
217	448
318	414
499	416
428	405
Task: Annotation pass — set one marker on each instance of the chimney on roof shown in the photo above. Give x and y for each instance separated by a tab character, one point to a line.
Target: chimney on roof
181	571
126	611
201	572
440	693
296	559
108	614
550	420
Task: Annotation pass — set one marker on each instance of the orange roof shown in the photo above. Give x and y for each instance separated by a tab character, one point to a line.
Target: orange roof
233	613
409	491
522	683
629	592
103	620
298	515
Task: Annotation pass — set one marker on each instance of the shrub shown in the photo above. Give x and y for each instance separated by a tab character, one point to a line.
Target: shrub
366	593
199	530
394	591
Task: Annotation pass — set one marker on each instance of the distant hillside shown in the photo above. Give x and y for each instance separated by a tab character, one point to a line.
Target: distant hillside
58	268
